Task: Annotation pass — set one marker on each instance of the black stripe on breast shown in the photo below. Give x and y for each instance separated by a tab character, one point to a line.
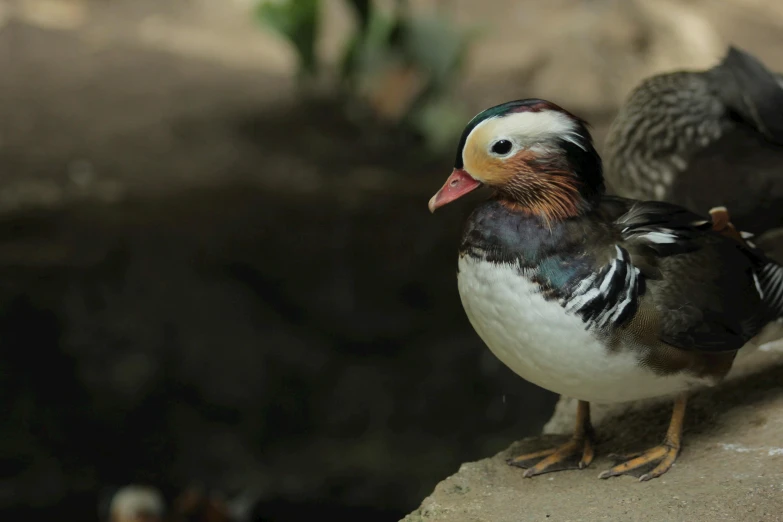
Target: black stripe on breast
609	297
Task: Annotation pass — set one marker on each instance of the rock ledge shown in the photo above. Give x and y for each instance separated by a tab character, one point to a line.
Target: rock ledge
731	467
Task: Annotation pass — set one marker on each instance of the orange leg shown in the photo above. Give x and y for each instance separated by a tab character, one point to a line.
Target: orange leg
664	454
563	457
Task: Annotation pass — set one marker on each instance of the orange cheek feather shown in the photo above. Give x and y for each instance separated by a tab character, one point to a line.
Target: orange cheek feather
548	192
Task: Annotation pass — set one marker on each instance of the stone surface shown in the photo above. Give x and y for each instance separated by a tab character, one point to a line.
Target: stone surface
731	468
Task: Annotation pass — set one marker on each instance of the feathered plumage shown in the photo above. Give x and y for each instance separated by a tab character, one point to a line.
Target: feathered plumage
703	139
603	298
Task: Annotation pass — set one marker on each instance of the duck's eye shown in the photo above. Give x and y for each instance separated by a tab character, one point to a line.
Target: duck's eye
501	147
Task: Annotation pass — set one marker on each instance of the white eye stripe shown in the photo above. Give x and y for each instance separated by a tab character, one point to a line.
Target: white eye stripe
528	129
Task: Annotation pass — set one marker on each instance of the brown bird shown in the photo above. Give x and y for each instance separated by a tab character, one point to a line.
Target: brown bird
704	138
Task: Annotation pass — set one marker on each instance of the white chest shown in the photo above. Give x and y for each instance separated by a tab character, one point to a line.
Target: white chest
545	345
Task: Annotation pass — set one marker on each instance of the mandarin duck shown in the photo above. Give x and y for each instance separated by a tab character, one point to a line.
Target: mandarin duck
705	138
596	297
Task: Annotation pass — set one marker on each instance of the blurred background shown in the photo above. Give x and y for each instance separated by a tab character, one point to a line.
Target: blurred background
218	275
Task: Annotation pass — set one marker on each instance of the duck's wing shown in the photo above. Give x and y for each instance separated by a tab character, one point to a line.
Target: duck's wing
706	291
622	243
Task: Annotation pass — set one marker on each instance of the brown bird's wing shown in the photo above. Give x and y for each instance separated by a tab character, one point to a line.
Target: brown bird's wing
740	170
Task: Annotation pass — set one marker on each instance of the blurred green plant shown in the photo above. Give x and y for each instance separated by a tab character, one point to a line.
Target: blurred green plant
403	66
297	21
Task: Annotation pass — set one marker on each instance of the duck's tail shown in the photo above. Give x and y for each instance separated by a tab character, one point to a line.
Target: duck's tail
752	91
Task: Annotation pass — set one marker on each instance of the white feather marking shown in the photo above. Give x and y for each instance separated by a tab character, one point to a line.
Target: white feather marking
580	301
774	276
526	128
660	237
758	286
608	278
582	296
580	289
630	284
612	269
613	313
